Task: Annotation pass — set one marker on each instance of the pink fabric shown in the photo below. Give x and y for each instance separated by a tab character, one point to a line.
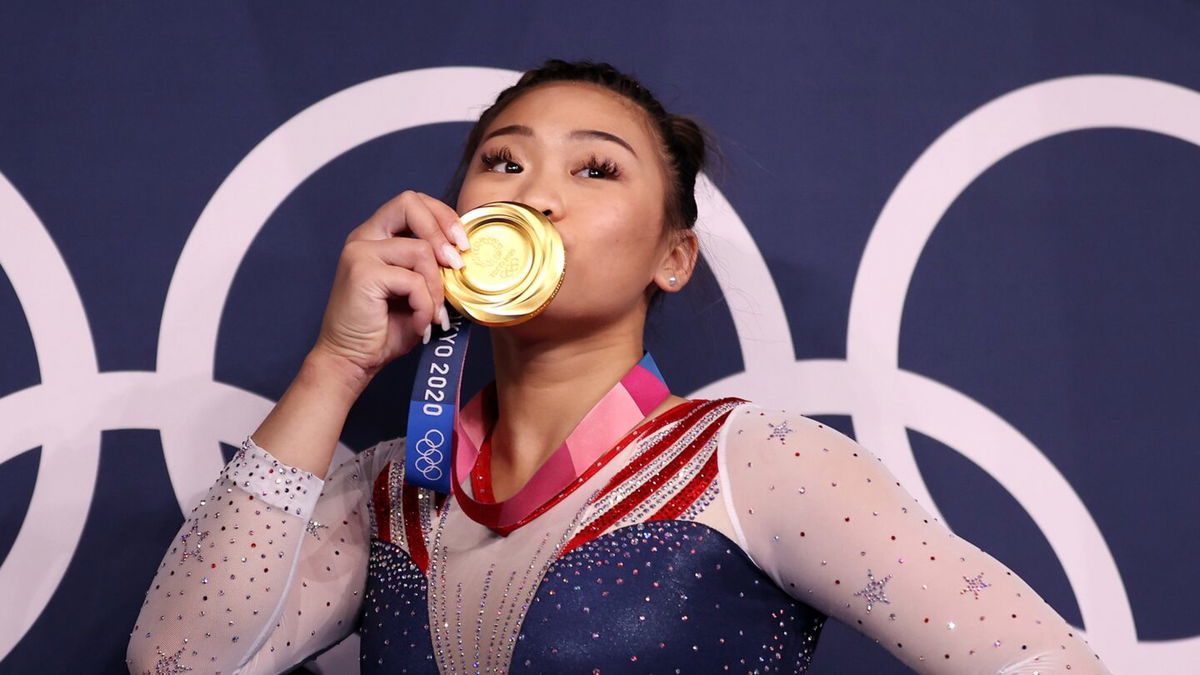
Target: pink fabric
613	416
557	471
617	411
640	383
469	430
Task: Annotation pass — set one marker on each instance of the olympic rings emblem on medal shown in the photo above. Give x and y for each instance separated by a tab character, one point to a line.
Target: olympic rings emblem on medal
193	411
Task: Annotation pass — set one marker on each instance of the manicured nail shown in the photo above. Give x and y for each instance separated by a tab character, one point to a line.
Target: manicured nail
444	318
460	236
455	259
428	334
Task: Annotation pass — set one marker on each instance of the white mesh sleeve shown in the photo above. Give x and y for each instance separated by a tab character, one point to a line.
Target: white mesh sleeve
268	569
824	518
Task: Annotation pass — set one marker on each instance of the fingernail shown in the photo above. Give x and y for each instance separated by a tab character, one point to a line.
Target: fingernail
445	318
427	335
455	259
460	236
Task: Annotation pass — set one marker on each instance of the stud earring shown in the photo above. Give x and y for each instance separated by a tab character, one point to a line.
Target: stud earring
672	280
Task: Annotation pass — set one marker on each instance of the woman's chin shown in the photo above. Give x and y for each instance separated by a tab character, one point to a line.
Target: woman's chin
556	323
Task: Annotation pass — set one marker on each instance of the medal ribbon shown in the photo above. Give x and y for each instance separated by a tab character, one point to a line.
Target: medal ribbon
630	400
431	411
437	433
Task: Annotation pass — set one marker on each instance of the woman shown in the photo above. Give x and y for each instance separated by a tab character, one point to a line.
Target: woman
599	522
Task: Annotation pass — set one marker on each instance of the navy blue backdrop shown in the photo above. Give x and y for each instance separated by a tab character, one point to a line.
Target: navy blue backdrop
1034	373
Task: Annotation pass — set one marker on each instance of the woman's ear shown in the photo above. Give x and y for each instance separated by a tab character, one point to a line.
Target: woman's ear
679	260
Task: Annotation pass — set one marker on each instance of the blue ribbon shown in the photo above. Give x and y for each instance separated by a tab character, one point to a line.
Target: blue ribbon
428	455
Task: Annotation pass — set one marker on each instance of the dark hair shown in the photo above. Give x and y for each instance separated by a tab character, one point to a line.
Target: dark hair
684	144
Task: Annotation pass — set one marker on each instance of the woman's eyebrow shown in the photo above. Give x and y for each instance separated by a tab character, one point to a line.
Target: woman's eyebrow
601	135
519	129
522	130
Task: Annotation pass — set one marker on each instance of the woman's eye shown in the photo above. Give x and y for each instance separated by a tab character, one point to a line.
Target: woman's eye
500	162
595	168
505	167
590	172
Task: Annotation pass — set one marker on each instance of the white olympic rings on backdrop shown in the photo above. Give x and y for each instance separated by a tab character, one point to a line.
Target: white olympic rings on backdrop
194	412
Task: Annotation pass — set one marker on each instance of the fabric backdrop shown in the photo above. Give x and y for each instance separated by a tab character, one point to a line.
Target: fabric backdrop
965	234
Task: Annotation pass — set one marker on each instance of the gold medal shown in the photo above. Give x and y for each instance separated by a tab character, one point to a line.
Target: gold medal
513	269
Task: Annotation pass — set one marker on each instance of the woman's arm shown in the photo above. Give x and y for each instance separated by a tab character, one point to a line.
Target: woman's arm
267	570
831	525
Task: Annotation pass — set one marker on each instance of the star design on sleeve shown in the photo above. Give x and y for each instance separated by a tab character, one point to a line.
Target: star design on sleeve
974	585
194	547
313	528
874	590
781	431
168	665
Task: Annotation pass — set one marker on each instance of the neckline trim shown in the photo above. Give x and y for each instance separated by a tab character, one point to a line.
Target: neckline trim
603	432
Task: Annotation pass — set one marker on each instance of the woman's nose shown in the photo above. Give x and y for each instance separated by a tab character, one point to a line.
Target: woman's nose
551	211
538	194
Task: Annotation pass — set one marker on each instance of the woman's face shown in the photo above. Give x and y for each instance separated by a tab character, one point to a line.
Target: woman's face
585	157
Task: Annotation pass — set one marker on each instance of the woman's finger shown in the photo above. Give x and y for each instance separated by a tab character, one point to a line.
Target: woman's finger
409	213
406	283
417	255
449	221
389	220
424	223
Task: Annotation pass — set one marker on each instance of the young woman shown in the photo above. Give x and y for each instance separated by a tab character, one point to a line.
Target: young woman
598	522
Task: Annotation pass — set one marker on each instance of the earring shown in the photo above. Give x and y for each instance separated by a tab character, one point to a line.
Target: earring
672	280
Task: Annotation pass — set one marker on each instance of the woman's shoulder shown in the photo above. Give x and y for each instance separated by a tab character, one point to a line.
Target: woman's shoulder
749	424
739	410
744	426
387	452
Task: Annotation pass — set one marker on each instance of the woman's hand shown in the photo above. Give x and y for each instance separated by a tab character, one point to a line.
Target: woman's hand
387	291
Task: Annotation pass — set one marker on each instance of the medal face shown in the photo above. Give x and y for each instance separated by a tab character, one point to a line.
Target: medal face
513	269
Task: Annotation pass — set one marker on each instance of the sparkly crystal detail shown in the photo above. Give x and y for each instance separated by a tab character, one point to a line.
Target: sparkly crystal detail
974	585
278	484
395	485
314	527
665	487
454	654
664	596
780	431
874	592
169	665
242	565
395	621
191	541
